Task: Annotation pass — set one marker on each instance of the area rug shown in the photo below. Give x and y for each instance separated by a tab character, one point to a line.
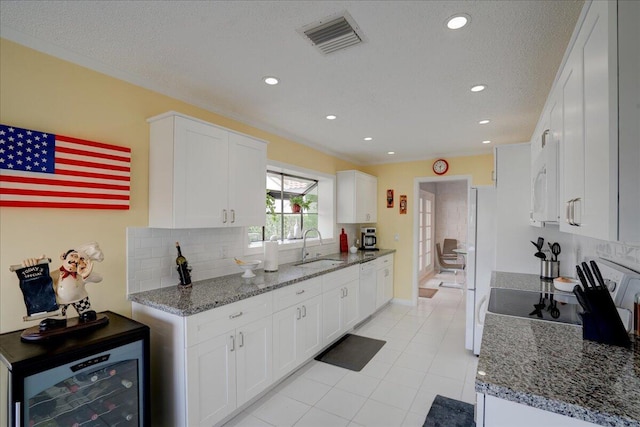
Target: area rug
427	292
351	352
446	412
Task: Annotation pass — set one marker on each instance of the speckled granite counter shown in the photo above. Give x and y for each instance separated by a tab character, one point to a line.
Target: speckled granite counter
549	366
207	294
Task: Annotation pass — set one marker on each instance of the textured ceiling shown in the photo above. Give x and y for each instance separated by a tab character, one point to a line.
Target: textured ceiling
407	85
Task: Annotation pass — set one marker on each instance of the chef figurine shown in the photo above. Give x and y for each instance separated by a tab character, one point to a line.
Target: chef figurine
70	280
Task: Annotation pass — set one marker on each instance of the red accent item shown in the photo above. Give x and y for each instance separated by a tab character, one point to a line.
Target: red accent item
64	272
344	245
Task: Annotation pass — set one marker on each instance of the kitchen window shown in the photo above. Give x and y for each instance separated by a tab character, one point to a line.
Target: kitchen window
284	223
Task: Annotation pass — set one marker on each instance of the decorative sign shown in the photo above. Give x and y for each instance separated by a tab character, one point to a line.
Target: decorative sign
389	198
403	204
42	170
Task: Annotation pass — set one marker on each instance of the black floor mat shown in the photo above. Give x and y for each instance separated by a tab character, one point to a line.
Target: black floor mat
351	352
447	412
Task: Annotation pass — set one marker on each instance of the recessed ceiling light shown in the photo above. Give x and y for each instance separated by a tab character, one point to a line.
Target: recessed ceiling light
270	80
484	122
331	117
368	138
478	88
457	21
391	153
486	142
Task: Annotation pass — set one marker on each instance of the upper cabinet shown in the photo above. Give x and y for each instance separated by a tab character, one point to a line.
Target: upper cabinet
357	197
202	176
592	115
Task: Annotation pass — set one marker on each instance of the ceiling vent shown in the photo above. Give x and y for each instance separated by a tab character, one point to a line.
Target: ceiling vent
334	33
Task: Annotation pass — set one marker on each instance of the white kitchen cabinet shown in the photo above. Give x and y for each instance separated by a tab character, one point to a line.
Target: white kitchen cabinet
297	328
498	412
589	144
208	364
201	175
357	197
384	280
340	302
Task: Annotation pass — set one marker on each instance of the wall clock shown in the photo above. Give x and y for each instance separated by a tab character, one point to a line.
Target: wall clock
440	167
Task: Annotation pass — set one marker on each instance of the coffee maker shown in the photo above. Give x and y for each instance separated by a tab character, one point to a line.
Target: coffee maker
368	239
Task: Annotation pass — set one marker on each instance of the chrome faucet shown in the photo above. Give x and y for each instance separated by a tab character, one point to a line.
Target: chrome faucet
305	254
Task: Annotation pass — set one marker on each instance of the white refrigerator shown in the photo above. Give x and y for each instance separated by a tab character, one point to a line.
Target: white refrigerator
481	260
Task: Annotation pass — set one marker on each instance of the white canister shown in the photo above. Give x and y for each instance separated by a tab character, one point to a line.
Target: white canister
270	256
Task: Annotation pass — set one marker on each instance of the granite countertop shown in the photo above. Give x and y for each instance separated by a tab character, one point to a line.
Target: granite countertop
547	365
211	293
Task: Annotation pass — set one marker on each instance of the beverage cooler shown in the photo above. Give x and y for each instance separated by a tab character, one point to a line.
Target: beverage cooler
93	378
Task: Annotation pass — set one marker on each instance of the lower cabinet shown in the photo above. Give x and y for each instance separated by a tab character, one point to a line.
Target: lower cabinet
495	412
340	302
206	366
384	280
297	335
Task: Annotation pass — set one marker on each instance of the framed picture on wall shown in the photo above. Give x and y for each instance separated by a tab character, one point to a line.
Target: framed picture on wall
403	204
389	198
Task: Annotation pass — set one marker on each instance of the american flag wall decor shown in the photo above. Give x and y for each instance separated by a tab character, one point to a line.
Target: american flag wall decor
43	170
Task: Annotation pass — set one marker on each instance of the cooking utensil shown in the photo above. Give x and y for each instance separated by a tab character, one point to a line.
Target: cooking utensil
540	243
541	255
596	271
589	276
555	250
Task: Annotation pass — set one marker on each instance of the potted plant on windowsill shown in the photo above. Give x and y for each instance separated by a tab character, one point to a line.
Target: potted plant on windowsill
298	203
271	205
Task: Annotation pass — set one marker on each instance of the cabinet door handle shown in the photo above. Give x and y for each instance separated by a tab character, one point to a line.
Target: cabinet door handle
241	340
300	292
299	314
568	212
233	216
577	223
224	216
18	414
346	292
236	315
233	342
304	311
342	291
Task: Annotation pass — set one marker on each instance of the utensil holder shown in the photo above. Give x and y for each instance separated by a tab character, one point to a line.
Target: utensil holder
549	269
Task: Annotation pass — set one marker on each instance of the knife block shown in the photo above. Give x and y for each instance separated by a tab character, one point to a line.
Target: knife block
602	324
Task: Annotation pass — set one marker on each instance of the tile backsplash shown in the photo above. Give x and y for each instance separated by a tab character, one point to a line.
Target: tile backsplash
151	254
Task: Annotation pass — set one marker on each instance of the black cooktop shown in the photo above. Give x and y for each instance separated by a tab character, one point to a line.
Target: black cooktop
560	307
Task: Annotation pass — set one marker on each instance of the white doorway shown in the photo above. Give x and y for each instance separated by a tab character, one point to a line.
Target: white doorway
425	246
426	234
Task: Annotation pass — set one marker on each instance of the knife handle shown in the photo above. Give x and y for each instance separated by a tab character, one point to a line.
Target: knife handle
587	272
598	274
583	280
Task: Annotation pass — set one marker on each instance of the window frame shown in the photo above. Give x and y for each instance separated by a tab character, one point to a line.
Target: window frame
326	209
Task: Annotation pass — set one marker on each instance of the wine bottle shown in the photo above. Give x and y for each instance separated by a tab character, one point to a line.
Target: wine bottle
183	268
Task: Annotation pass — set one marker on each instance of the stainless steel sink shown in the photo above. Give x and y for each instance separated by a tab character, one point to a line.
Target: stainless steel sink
321	263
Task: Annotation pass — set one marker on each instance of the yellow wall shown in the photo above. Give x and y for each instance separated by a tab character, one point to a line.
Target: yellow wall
44	93
401	177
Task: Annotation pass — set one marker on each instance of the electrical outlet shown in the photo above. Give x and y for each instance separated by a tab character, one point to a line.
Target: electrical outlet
396	237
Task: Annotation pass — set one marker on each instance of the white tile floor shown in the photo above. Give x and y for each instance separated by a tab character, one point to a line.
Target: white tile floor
424	356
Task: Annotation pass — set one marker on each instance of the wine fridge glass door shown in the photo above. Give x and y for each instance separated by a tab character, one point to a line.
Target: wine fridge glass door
104	389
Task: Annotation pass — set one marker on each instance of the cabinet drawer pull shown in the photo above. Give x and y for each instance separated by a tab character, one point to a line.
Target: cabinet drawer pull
300	292
224	216
304	311
299	313
233	343
233	216
241	339
234	316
